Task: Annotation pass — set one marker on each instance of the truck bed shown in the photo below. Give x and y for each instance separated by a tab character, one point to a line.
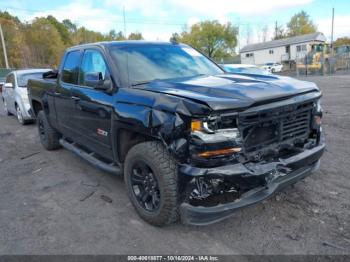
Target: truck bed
37	88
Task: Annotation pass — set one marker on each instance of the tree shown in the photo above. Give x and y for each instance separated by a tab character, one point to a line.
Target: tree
14	41
212	38
61	28
71	27
42	42
341	41
135	36
175	37
114	36
265	31
279	32
301	24
45	43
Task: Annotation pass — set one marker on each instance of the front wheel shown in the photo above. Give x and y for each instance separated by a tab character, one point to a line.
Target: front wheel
152	182
19	116
49	137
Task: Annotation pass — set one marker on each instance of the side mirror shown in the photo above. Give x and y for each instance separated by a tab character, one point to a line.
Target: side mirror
8	85
50	74
95	80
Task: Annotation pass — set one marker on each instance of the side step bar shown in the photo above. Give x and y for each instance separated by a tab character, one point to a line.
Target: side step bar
110	168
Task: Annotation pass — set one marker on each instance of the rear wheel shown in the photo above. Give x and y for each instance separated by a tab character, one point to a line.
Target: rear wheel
151	179
49	137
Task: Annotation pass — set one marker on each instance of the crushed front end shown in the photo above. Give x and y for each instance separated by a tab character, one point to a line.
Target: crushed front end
241	158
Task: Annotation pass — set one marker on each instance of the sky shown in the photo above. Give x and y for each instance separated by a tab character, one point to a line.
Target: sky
158	19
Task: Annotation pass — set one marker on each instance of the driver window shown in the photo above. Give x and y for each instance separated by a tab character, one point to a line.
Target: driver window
92	64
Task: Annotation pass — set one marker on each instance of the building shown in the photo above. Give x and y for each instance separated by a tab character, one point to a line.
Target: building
280	51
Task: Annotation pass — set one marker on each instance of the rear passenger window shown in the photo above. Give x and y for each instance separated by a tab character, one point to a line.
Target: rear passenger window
71	67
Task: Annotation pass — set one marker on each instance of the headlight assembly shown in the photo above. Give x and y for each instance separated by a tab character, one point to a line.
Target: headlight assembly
209	142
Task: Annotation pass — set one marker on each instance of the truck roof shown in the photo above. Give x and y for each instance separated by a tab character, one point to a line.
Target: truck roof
124	43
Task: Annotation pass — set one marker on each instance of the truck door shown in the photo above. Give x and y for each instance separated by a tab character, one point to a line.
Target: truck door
64	104
93	107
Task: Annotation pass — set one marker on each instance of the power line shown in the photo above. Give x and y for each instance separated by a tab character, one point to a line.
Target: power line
131	20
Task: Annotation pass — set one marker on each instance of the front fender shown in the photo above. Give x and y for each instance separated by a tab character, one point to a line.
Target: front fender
169	127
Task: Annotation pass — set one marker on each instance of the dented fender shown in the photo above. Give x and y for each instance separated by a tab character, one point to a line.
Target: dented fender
163	117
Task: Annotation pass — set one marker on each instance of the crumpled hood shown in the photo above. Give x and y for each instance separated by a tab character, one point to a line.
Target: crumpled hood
231	91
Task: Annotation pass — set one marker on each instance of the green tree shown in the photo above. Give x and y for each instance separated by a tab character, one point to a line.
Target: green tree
62	30
114	36
212	38
301	24
71	27
135	36
14	41
342	41
83	36
45	43
175	37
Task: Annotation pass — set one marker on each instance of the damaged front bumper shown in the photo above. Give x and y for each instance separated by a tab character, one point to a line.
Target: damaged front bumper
276	175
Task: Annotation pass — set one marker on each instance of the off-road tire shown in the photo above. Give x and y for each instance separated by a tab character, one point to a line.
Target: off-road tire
49	137
164	168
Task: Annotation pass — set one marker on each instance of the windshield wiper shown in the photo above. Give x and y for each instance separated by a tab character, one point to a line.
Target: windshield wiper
140	83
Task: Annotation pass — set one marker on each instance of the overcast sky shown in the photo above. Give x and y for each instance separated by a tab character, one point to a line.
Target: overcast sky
158	19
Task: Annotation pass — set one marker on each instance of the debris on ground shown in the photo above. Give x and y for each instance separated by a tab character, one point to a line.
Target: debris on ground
294	236
87	195
326	243
106	198
90	183
30	155
36	171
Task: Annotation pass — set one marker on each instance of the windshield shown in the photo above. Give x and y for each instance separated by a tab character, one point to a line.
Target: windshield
142	64
246	70
23	78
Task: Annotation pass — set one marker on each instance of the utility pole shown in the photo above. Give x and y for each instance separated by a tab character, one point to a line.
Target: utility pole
4	48
332	31
124	22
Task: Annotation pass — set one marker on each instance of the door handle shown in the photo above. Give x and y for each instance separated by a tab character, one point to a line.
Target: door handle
57	93
75	98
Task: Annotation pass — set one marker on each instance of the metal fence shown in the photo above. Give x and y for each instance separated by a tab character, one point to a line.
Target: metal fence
5	71
322	64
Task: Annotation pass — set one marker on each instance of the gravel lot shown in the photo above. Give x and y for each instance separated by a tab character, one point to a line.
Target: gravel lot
50	202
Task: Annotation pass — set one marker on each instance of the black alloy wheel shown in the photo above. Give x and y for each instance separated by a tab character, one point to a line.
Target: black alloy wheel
145	186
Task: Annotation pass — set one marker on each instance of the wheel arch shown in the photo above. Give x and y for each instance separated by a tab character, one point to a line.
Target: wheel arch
36	107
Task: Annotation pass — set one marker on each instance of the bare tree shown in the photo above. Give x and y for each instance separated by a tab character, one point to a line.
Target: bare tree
265	31
248	34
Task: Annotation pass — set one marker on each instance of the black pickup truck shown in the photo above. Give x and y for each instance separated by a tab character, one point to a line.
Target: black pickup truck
192	141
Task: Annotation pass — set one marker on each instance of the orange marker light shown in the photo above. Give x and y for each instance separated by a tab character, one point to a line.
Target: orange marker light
317	120
218	152
196	125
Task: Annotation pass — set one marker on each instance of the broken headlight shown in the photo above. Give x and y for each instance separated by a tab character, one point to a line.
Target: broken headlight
317	114
210	141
